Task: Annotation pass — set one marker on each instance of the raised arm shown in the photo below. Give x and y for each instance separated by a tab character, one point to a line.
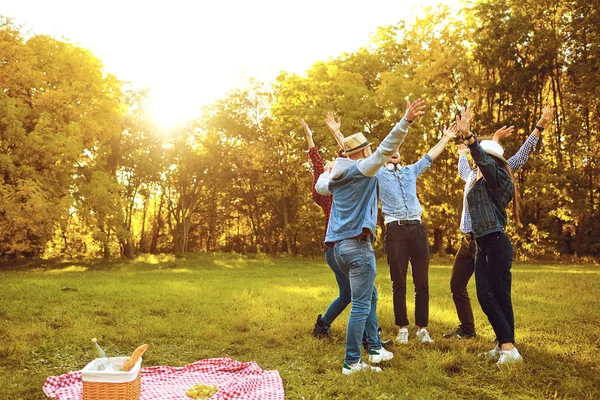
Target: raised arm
334	126
486	165
448	135
464	169
520	157
392	142
317	166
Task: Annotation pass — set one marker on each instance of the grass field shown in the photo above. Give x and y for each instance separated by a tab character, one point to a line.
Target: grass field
263	310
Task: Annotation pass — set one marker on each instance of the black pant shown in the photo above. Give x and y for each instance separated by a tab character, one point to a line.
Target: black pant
493	279
404	243
462	270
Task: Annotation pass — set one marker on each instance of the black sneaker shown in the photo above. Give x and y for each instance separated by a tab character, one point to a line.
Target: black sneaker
321	329
460	334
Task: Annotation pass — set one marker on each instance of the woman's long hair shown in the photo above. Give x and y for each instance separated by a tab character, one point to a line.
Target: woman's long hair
516	201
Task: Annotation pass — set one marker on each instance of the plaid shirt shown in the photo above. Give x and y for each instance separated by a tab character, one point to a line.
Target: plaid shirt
318	168
469	174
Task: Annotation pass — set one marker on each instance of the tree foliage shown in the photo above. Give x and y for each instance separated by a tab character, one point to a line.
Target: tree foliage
85	172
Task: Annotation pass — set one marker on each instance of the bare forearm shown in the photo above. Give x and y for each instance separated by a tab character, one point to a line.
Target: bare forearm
339	138
438	148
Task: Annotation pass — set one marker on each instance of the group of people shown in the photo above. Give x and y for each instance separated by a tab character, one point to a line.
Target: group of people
349	191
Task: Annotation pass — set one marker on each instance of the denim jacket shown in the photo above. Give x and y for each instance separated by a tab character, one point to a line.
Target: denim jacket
353	186
488	197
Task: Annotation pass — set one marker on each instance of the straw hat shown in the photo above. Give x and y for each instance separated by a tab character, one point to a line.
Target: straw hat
355	143
493	149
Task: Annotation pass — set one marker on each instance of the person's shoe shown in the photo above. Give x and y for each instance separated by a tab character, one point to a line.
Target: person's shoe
377	356
321	329
402	336
509	356
423	336
384	343
493	354
460	334
358	367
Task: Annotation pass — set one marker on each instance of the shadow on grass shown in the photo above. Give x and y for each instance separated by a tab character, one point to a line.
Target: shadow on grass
145	262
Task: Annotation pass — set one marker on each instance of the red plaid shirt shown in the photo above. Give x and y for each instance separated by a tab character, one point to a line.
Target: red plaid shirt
318	168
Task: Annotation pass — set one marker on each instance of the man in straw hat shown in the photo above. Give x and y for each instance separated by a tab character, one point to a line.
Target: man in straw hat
352	228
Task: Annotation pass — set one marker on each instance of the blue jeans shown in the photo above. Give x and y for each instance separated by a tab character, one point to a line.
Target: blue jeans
341	302
357	259
493	281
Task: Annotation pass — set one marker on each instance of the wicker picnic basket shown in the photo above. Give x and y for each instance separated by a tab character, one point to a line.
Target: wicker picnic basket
110	385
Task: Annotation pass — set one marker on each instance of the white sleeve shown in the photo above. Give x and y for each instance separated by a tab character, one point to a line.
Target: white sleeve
322	185
392	142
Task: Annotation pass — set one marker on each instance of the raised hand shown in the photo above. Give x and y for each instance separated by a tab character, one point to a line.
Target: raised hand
332	124
308	133
503	133
547	114
463	150
464	121
414	110
334	127
307	130
450	131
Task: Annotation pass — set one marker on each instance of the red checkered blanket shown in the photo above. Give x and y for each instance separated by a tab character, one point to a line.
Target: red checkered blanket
234	379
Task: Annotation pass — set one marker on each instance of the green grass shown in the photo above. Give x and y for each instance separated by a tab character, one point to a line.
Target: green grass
263	310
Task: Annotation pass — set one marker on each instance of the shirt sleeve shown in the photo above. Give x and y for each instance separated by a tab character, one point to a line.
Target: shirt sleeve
420	166
464	169
521	156
392	142
318	169
487	166
322	185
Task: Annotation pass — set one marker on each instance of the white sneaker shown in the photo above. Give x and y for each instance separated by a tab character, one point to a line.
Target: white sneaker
358	367
423	336
377	356
402	336
493	354
509	356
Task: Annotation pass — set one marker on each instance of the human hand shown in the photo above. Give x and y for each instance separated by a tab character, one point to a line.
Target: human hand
503	133
332	124
463	150
450	131
547	114
307	130
464	121
414	110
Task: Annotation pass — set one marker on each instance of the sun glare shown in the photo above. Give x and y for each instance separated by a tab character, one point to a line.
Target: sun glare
172	108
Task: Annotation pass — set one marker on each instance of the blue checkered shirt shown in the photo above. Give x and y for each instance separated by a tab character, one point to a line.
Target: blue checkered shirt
469	174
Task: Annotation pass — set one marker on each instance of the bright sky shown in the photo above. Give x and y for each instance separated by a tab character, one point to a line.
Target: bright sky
191	52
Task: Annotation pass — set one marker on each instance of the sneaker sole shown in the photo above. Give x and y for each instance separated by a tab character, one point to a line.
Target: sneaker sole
376	361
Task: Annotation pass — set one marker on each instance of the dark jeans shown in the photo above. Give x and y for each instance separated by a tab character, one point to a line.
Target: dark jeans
493	279
404	243
462	270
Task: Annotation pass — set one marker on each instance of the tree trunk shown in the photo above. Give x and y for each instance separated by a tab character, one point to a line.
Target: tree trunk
438	241
157	226
143	229
286	229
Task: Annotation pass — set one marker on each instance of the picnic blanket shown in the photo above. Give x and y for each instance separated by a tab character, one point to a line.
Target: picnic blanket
235	380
